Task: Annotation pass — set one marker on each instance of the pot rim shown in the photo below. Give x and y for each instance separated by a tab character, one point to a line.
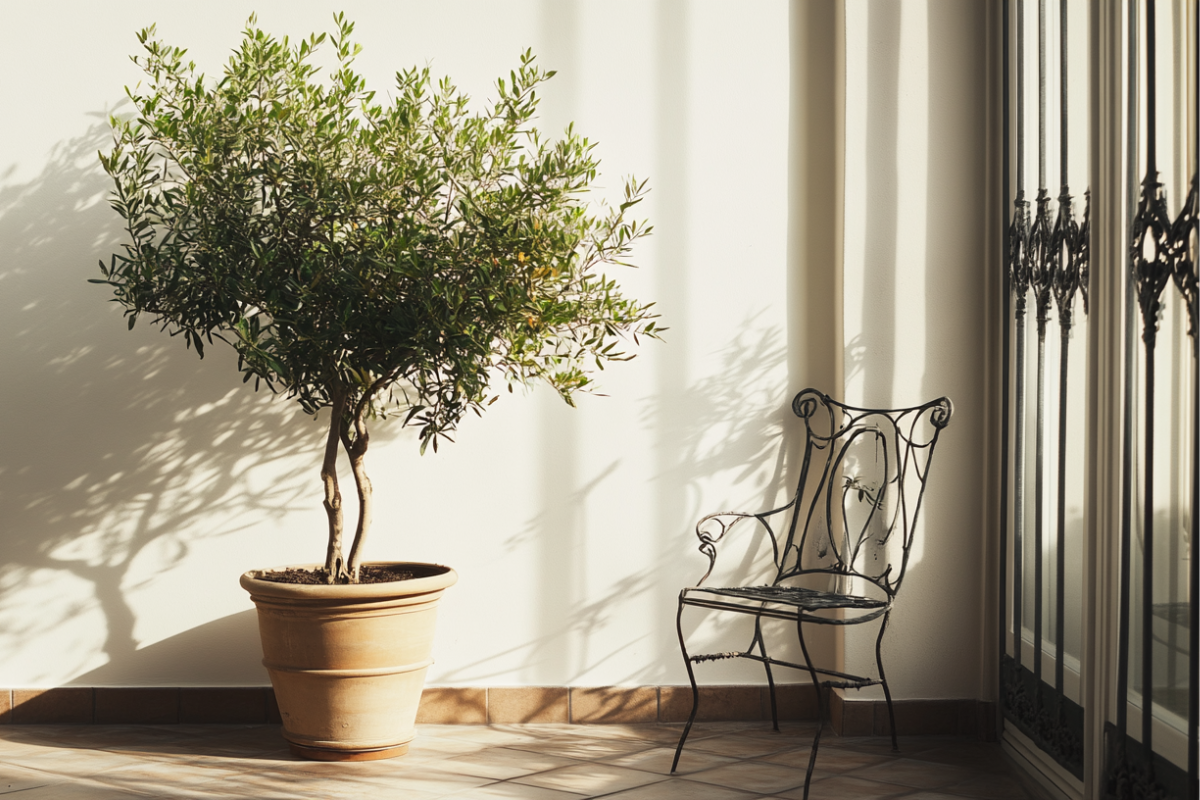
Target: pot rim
251	582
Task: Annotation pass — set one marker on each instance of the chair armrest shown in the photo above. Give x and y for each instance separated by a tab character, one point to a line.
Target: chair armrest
712	529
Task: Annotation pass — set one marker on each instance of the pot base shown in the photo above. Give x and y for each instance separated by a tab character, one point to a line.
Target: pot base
348	661
328	754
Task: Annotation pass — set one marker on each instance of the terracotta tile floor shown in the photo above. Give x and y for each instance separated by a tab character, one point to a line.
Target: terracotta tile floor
723	761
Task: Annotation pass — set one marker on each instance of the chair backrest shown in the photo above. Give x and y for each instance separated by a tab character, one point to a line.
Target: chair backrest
862	480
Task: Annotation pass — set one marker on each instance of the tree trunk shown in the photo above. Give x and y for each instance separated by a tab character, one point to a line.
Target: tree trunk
356	450
363	483
335	564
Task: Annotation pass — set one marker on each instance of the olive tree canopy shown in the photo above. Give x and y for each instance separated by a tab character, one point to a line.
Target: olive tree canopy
370	258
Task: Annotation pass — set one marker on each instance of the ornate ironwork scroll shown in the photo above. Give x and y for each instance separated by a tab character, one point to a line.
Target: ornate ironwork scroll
1046	254
1160	251
1183	259
1048	257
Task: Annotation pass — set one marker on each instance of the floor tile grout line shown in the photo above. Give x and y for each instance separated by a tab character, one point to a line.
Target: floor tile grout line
198	736
626	789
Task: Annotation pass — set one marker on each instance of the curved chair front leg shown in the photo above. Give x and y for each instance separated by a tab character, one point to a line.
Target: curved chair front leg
812	756
687	662
887	693
762	649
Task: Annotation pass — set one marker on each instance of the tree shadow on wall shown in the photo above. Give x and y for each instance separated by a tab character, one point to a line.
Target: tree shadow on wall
738	452
735	441
232	657
117	448
731	427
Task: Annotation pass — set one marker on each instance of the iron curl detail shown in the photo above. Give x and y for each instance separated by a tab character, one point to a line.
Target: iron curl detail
708	541
1183	257
805	404
1150	253
1042	259
1065	266
1018	249
943	409
1083	249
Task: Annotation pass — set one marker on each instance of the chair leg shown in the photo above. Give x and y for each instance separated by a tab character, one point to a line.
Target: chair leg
762	649
887	693
821	706
687	662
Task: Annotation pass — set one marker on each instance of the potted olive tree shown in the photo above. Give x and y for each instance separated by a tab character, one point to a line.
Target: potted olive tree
367	260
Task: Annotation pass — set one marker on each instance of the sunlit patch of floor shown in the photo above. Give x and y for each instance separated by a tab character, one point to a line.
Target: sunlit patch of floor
723	761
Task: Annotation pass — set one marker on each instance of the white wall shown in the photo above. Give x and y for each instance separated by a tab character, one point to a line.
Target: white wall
137	483
914	316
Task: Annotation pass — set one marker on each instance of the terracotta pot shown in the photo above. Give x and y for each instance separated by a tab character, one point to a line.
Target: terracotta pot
348	662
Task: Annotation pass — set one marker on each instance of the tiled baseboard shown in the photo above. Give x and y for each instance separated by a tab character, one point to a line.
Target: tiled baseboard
968	718
455	705
471	705
612	704
138	705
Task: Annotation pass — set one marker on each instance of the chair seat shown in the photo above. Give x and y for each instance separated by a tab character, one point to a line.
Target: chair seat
807	599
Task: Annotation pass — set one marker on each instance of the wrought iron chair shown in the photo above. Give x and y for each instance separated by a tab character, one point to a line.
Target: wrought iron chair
848	536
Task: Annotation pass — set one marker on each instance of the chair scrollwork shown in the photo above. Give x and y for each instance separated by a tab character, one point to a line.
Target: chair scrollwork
841	554
722	523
